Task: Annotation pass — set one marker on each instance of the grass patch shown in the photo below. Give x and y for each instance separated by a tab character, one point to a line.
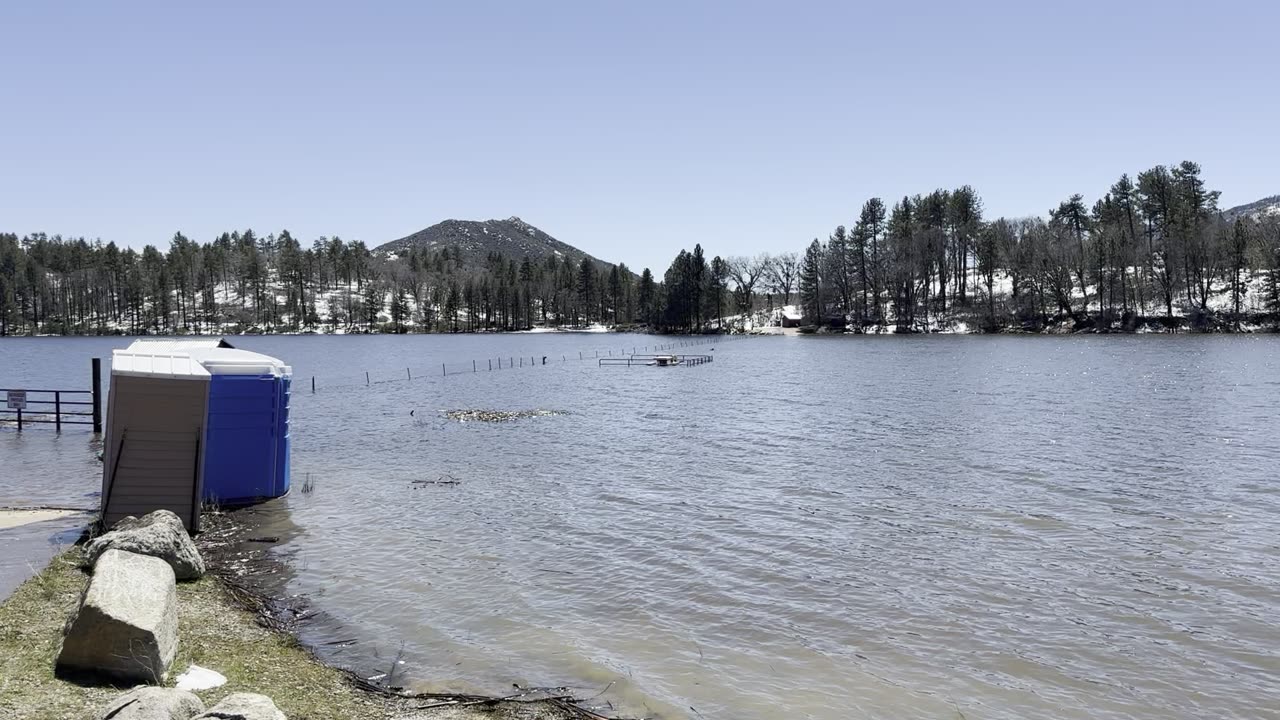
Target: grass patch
213	632
31	622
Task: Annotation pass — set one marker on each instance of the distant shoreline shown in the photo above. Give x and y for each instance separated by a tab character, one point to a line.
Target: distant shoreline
1258	323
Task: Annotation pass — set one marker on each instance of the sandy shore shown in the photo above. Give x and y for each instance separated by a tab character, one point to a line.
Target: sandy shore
18	518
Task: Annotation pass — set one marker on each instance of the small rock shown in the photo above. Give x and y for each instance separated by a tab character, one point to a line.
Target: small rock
244	706
198	678
158	534
153	703
127	625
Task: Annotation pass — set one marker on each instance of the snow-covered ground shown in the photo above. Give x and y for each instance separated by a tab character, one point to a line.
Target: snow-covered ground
592	328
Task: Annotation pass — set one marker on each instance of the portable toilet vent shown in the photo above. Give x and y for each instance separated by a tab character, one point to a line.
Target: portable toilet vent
192	422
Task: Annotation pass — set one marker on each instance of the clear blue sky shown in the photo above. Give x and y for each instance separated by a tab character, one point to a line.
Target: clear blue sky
628	129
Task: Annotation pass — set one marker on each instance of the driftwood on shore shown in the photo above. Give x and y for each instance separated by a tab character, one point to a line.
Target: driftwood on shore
557	697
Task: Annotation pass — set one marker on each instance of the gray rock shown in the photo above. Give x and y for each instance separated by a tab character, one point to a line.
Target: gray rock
244	706
158	534
127	624
153	703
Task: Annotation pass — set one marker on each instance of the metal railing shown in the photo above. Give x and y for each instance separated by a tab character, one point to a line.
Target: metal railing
52	402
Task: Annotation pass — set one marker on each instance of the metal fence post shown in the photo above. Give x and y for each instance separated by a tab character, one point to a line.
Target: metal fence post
57	410
97	394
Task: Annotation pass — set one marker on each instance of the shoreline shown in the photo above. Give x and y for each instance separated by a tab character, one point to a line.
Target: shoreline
968	324
227	624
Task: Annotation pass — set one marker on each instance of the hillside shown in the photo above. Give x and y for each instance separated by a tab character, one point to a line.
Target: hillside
475	240
1257	209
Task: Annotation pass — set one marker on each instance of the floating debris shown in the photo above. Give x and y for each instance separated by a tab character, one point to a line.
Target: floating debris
445	479
497	416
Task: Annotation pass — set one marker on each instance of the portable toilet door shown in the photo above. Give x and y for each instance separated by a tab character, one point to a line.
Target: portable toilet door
246	441
152	450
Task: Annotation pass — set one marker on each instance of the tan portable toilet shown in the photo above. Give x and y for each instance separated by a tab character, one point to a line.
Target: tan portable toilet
156	412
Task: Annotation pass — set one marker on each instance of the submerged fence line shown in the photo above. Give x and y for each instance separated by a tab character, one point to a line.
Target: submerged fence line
497	363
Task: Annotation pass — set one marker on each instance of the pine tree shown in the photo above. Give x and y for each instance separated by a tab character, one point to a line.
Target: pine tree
399	309
811	283
697	279
904	262
648	298
586	288
718	279
371	302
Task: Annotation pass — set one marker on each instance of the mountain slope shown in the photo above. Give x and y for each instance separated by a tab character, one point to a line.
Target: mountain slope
1257	209
474	239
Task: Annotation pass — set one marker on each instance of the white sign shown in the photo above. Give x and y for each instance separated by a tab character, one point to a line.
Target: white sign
17	399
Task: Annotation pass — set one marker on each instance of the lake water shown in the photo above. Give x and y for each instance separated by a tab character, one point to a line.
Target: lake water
809	527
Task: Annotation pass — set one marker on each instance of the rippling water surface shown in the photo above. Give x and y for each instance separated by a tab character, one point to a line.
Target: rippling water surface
810	527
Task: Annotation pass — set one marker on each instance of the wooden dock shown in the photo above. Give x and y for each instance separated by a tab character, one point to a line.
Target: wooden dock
659	360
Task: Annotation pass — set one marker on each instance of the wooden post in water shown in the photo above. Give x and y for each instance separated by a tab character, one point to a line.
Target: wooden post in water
443	373
57	410
473	366
96	365
19	419
366	378
490	364
408	374
313	384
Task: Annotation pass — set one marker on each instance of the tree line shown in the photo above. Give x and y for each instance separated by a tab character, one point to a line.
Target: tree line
1156	250
1152	249
246	282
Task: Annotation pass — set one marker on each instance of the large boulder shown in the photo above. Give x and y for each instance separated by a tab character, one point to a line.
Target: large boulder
127	625
153	703
244	706
158	534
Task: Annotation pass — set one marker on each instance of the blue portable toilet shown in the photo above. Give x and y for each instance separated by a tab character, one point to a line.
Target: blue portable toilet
194	421
246	457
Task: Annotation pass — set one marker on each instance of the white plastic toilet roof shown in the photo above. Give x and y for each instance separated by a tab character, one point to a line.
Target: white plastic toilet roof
194	359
